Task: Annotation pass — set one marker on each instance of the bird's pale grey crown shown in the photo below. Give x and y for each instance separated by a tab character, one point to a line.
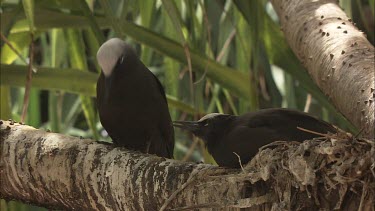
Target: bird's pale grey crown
109	53
209	116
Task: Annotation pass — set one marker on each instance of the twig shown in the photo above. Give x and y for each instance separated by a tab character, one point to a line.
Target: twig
190	68
241	203
198	206
359	133
191	150
226	45
239	160
182	72
257	200
364	193
307	103
183	186
263	87
278	143
221	53
208	28
13	48
316	133
28	80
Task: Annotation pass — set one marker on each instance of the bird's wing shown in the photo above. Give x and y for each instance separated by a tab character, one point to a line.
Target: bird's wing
254	121
161	88
170	146
169	134
99	90
280	117
244	142
285	123
310	122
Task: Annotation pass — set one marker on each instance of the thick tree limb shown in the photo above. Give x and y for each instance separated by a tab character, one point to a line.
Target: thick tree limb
61	172
336	54
57	171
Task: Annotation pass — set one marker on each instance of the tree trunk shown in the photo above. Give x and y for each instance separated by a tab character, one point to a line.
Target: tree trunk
336	54
62	172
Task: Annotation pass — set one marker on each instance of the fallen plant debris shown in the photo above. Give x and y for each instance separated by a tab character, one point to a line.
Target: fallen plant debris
327	172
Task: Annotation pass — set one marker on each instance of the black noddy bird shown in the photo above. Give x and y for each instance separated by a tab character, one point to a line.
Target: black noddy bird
131	102
224	135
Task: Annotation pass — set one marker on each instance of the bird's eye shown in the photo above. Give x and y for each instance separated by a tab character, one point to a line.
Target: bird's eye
206	124
121	59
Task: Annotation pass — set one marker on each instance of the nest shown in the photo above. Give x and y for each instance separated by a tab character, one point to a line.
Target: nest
332	172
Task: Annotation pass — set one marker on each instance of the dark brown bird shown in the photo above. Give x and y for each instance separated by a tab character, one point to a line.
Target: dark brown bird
225	134
131	102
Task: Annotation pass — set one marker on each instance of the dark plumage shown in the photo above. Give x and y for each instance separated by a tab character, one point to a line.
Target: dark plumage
224	134
131	102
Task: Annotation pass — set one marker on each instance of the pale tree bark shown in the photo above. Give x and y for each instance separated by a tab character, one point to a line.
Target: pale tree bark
336	54
62	172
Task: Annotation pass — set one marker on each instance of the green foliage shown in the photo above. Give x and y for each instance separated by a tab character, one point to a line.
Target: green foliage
28	6
211	56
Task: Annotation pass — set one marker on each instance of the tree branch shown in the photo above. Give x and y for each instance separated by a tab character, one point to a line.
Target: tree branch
62	172
336	54
57	171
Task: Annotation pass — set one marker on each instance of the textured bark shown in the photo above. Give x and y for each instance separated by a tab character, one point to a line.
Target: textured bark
57	171
336	54
62	172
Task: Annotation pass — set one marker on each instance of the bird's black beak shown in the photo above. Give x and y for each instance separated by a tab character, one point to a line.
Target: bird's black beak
191	126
